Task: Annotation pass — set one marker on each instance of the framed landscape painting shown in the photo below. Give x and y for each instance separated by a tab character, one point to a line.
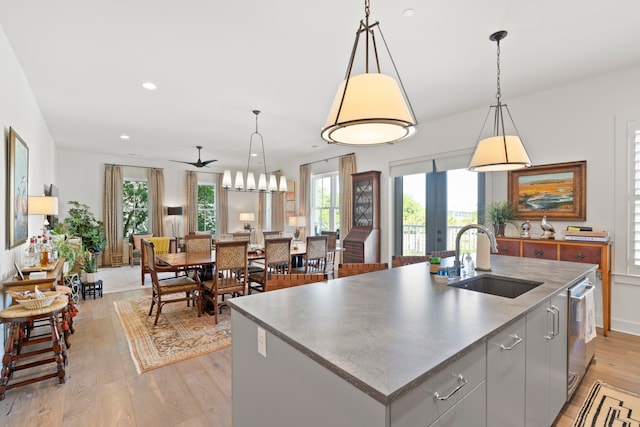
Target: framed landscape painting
557	191
18	190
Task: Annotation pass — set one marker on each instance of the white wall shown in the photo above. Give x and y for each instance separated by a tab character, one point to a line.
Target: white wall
19	109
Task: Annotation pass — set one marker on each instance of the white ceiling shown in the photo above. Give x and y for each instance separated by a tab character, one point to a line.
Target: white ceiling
216	61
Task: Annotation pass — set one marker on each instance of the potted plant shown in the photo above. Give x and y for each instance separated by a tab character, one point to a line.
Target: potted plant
499	213
67	249
81	223
89	264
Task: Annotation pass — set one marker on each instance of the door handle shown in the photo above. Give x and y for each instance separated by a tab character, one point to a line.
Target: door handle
517	340
462	381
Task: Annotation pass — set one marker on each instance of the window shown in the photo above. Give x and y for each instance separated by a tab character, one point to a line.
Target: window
325	202
207	208
634	267
135	206
431	207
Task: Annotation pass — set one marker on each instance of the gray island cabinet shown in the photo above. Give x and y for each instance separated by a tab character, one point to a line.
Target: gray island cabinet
394	348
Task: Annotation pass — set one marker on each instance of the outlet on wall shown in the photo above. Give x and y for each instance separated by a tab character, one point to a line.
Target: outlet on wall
262	342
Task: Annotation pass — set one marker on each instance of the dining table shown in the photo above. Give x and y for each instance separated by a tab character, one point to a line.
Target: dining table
191	259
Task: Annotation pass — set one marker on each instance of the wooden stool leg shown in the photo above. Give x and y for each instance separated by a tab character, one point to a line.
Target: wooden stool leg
60	354
8	361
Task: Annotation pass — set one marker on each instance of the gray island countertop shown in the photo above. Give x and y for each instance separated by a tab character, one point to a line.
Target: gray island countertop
389	331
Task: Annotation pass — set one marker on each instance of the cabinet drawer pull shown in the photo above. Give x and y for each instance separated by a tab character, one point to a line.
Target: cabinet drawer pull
504	250
538	252
579	255
462	381
517	340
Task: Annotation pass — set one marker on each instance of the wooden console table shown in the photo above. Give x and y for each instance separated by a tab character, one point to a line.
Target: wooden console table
566	250
52	278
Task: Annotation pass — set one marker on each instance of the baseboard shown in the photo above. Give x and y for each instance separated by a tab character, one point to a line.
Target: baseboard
626	327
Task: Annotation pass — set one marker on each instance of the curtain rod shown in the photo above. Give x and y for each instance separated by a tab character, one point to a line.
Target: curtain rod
327	159
132	166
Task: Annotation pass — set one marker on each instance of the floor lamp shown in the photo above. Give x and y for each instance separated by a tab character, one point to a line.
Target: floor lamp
175	211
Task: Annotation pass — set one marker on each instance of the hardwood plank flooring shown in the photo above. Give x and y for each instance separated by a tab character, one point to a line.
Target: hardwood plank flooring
104	389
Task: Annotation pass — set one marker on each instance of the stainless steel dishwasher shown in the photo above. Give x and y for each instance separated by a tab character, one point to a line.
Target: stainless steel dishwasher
580	352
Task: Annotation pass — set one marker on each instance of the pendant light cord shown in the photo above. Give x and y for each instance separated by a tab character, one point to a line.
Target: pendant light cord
498	93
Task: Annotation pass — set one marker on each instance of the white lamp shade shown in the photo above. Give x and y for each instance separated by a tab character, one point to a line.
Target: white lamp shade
297	221
283	184
246	216
251	182
262	182
226	179
374	111
273	183
43	205
239	181
499	153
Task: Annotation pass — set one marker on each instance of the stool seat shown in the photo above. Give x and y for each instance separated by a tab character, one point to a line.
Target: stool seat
21	319
91	288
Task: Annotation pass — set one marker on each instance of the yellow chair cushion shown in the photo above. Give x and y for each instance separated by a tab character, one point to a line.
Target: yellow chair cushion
161	244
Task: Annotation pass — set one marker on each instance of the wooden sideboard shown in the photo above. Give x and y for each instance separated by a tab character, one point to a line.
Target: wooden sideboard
52	278
565	250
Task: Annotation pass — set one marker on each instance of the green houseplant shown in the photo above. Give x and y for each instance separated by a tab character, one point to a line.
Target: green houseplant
499	213
67	249
89	264
81	223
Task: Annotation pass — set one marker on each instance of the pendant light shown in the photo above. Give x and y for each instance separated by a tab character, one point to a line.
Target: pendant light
500	151
370	108
262	186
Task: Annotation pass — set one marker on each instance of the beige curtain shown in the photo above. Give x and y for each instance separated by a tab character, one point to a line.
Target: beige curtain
191	216
222	207
277	208
156	201
112	205
261	223
305	197
347	166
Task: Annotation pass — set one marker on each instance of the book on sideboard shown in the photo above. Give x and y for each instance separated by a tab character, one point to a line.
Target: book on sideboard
588	238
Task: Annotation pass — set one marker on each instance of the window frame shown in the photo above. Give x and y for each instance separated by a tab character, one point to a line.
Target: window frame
334	202
136	230
212	209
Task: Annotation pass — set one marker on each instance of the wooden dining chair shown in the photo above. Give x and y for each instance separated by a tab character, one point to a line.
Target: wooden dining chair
197	242
315	257
243	236
277	259
281	281
189	287
400	260
351	269
332	239
271	234
442	254
231	275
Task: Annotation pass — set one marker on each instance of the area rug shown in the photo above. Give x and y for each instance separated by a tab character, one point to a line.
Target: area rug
179	335
606	405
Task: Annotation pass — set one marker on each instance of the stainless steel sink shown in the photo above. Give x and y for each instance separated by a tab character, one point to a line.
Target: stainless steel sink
497	285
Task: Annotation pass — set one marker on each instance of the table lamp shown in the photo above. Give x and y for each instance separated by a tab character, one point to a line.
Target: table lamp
175	211
298	222
247	218
43	205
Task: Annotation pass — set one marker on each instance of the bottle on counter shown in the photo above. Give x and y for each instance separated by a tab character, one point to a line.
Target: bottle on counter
45	253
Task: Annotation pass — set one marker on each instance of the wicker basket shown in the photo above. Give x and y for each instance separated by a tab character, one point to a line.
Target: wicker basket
34	304
116	260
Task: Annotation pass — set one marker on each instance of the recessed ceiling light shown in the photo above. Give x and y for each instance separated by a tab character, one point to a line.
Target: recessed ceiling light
408	12
125	137
149	86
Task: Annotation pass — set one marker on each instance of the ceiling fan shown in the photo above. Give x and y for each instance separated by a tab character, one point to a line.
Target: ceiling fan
199	163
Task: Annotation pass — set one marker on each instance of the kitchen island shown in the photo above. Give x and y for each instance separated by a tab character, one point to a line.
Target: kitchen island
363	350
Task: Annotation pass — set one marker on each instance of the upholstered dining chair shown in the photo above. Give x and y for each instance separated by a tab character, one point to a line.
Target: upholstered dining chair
277	259
271	234
189	287
400	260
231	274
197	242
351	269
315	258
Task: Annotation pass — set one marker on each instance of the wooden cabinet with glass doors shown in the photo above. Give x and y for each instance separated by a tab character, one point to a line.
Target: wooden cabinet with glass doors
362	244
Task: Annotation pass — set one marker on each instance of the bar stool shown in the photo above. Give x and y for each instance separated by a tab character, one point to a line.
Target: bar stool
20	320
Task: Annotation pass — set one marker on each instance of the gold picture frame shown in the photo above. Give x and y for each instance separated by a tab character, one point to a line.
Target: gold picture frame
17	190
557	191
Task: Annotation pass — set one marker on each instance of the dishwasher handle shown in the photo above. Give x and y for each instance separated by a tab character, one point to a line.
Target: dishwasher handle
581	297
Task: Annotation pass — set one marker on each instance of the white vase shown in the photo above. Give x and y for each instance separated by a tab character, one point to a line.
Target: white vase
90	277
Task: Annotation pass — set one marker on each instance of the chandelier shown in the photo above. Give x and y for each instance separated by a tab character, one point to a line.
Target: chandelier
500	151
272	185
369	108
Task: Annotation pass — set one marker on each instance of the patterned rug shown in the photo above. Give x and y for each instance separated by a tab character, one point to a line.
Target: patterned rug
179	335
609	406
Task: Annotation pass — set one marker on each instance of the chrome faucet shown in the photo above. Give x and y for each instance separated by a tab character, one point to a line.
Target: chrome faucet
481	228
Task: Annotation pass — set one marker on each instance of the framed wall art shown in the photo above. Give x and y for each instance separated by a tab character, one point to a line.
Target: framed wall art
557	191
18	190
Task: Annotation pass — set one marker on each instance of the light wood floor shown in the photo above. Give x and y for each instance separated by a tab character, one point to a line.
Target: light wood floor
104	389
